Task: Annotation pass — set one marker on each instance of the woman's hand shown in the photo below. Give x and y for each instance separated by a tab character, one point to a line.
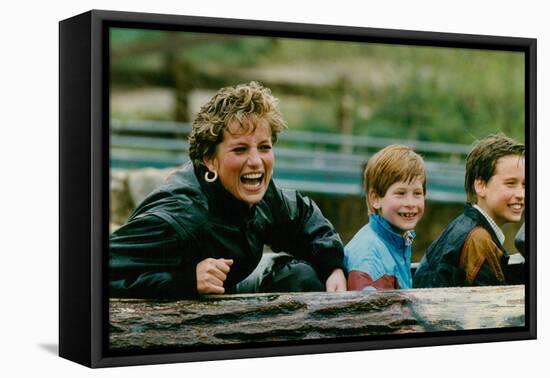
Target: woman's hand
211	274
336	281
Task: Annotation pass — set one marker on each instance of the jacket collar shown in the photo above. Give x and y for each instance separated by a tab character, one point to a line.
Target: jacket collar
389	233
220	201
498	232
478	217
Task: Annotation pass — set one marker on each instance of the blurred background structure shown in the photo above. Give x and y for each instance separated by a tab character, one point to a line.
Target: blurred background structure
343	101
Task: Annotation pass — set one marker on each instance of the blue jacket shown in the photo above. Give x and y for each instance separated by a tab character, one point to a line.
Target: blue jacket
379	257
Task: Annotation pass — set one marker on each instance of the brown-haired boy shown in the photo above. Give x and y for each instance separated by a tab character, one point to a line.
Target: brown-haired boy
379	255
469	251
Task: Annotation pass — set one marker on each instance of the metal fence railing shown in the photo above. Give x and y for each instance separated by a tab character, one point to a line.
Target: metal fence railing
308	161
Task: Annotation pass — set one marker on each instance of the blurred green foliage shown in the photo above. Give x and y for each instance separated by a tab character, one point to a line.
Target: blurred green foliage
425	93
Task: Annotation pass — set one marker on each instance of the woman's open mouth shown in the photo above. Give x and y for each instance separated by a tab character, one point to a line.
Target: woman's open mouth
252	180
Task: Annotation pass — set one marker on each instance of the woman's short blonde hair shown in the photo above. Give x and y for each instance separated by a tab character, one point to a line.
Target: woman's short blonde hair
392	164
243	103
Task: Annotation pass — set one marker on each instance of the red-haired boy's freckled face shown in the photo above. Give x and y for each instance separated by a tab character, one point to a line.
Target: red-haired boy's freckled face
503	196
402	205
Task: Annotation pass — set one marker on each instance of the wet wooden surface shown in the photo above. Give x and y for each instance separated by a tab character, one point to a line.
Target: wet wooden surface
230	319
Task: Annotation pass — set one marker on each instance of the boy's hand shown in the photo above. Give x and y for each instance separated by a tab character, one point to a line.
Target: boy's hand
211	274
336	281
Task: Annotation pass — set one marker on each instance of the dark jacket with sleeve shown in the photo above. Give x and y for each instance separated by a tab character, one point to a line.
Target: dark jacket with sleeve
187	220
467	253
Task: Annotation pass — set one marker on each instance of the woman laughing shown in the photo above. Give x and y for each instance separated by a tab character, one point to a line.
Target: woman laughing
204	230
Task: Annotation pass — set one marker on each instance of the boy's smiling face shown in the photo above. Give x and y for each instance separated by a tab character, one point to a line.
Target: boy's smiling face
503	196
402	205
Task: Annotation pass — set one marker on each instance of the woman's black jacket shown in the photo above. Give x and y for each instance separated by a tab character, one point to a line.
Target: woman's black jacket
187	220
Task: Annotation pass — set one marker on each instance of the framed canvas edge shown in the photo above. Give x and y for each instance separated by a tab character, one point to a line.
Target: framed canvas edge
100	187
424	340
99	191
324	31
75	274
531	179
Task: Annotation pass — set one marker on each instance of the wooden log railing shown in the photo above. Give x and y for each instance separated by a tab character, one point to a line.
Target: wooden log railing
232	319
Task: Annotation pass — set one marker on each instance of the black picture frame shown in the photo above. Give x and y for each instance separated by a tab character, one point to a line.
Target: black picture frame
84	182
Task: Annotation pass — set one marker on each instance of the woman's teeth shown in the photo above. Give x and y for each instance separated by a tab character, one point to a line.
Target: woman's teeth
252	179
252	176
